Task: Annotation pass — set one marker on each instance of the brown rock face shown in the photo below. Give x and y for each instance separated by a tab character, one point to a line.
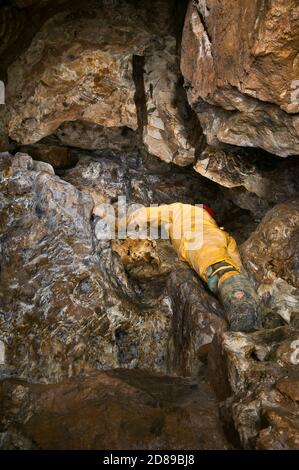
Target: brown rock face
271	256
256	383
90	136
73	80
56	156
110	68
171	131
111	410
272	250
253	180
240	64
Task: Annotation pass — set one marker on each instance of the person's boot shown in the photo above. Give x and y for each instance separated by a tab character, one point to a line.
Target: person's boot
239	299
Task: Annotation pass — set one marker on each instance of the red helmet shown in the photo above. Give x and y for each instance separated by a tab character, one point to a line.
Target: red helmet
209	210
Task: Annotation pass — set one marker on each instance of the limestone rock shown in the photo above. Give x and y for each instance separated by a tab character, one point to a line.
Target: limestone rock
68	294
289	386
111	410
248	375
270	255
79	66
241	71
272	250
171	131
142	179
252	179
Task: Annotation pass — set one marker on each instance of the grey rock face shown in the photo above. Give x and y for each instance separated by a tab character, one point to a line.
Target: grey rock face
67	304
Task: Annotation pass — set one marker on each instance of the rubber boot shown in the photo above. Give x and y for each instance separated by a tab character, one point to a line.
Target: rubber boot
239	299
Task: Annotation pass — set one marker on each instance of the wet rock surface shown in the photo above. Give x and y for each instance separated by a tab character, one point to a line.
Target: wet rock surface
117	410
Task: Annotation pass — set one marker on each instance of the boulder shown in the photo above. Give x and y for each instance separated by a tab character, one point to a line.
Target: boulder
241	72
80	67
271	251
118	409
254	376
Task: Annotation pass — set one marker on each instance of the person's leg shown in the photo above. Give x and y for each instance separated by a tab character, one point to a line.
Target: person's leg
218	263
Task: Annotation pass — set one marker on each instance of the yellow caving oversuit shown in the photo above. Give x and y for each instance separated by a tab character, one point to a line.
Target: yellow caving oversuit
210	251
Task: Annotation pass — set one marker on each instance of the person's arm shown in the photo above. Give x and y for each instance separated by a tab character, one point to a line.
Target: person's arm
151	215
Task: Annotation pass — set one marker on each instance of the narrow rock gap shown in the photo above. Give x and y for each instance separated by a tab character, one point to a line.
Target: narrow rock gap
139	97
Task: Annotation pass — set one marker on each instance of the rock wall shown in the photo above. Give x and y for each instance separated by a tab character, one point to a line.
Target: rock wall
241	70
94	93
67	304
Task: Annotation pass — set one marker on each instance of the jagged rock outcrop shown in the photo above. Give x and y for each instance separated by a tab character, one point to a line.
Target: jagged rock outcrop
241	69
170	131
67	304
271	256
78	71
110	410
253	180
255	376
111	68
272	250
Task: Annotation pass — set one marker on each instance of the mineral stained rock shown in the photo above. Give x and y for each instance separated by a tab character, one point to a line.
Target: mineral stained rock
272	250
115	409
79	66
252	179
67	303
110	69
76	71
271	256
255	375
241	70
171	131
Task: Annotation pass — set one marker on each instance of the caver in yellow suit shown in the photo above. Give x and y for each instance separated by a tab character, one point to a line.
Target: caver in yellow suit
211	252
